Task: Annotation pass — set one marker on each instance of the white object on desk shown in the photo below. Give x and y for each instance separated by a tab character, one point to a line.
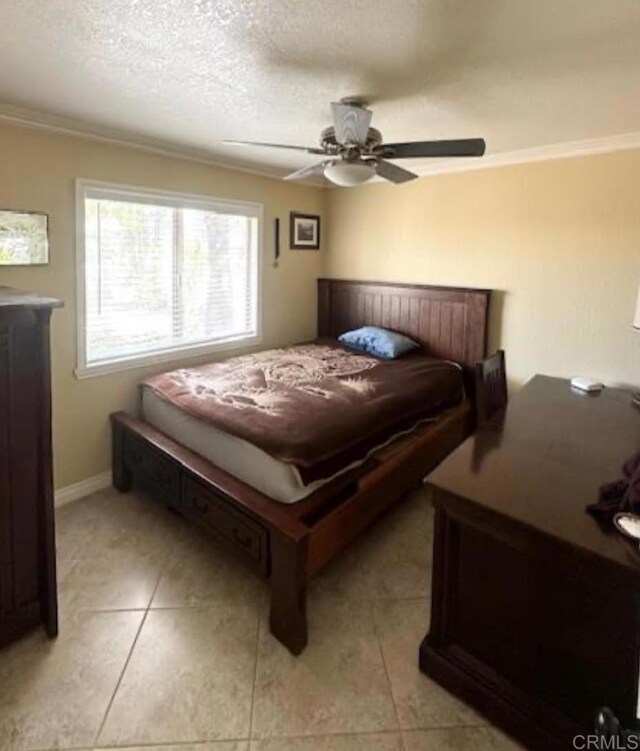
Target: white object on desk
586	384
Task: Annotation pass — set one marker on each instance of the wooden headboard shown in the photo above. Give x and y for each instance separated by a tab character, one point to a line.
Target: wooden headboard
450	322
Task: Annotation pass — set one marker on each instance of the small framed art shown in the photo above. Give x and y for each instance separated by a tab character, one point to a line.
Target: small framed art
24	238
304	231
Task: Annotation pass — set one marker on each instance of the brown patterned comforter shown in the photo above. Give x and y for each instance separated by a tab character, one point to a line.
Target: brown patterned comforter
318	406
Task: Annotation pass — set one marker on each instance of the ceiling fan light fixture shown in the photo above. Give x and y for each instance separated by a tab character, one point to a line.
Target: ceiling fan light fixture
349	174
355	152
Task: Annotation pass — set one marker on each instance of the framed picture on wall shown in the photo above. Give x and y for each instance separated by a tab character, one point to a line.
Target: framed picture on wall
24	238
304	231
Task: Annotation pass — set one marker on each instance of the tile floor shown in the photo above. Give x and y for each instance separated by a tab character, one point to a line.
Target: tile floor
164	642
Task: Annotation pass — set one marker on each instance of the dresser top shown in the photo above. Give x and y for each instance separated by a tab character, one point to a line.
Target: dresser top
543	460
15	298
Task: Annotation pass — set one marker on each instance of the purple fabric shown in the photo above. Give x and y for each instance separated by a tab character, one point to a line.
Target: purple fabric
621	495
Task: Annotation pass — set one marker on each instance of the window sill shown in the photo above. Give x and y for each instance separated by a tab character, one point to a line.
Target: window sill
156	358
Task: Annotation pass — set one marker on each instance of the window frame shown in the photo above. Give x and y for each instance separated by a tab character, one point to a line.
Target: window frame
176	200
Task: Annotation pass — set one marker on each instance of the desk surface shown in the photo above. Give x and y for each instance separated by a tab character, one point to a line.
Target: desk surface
543	460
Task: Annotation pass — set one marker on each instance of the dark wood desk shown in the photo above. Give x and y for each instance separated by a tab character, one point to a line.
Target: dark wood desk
535	615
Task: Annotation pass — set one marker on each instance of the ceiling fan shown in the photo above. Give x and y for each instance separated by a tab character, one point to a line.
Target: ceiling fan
356	151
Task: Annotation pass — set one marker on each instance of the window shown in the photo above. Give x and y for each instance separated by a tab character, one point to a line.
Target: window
163	274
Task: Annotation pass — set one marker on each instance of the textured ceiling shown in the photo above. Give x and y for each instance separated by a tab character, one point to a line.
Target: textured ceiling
193	72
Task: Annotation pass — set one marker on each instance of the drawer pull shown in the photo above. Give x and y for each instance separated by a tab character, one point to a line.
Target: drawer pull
223	520
245	542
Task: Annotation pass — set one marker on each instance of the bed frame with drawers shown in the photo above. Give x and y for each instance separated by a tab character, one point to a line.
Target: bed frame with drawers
289	543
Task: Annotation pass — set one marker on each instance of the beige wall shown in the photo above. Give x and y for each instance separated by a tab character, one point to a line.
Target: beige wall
37	171
559	240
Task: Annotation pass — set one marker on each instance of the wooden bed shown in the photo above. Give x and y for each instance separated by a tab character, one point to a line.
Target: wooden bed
289	543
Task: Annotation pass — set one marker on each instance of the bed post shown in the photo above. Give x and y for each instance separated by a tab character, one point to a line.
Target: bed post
120	474
288	611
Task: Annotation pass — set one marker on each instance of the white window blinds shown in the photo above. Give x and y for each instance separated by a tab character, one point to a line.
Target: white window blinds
165	273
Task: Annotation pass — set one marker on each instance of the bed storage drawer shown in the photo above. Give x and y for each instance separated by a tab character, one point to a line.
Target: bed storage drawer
239	532
151	467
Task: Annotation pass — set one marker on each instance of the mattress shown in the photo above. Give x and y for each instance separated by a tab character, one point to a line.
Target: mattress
234	455
276	479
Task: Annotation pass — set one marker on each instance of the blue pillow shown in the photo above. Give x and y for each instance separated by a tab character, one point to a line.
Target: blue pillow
378	342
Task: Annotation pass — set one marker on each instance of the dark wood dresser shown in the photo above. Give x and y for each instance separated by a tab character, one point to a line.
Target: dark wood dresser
27	539
535	612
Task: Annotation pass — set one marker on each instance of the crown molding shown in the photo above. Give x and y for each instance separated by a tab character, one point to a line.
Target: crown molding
566	150
69	127
79	129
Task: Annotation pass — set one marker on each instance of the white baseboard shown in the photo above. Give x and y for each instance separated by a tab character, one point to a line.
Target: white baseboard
78	490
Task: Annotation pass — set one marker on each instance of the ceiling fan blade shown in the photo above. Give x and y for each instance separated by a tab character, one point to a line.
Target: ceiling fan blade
428	149
316	171
394	173
351	124
275	146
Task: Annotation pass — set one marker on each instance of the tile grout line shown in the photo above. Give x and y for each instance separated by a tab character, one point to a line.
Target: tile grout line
119	681
255	673
164	744
222	741
376	631
239	604
133	646
212	605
